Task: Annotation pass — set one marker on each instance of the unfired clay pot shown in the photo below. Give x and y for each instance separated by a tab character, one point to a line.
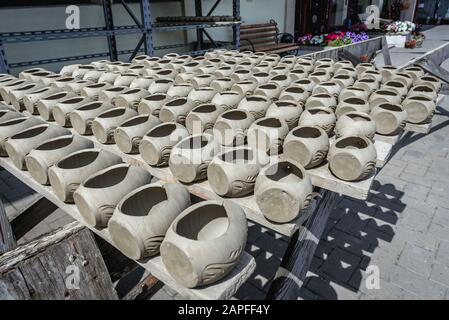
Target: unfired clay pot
352	158
104	125
131	98
176	110
142	82
352	91
110	94
383	96
190	157
31	100
6	115
40	159
261	77
270	90
61	111
415	72
342	64
45	106
329	87
283	81
97	196
372	74
294	93
283	191
25	74
76	86
143	216
257	106
202	118
125	79
201	95
245	87
390	118
349	71
367	84
289	111
109	77
62	82
152	104
343	80
423	90
322	117
9	128
179	90
298	73
396	86
227	100
362	67
129	134
20	144
222	84
202	80
321	100
231	127
388	72
217	229
306	84
352	104
82	117
4	90
233	173
160	86
16	95
319	76
307	145
355	124
419	108
403	77
267	134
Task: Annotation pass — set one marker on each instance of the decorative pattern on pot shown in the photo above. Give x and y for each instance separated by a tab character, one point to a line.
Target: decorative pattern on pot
231	127
93	90
160	86
141	219
390	118
222	84
423	90
179	90
267	134
97	197
352	104
110	94
152	104
372	74
329	87
307	145
202	80
430	81
202	118
415	72
256	105
319	76
40	159
289	111
104	125
363	67
76	86
355	124
31	100
403	77
176	110
218	229
9	128
388	72
419	108
352	158
202	95
61	111
352	91
82	117
191	156
20	144
270	90
227	100
129	134
131	98
322	117
16	95
343	80
396	86
306	84
156	144
283	191
294	93
321	100
233	173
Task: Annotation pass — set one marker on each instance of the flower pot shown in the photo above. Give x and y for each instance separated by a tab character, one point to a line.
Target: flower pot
388	72
419	108
104	125
179	90
233	173
304	65
136	69
130	98
76	86
25	74
352	158
92	91
306	84
262	68
166	74
143	216
430	81
390	118
355	124
109	95
4	81
222	84
283	191
176	110
343	80
245	87
142	83
352	104
294	93
81	118
125	79
79	73
306	145
150	62
93	75
129	134
227	100
396	86
160	86
139	59
202	80
260	77
289	111
319	76
403	77
40	159
157	143
207	69
367	84
423	90
109	77
240	75
267	134
16	95
279	71
328	68
348	71
330	87
352	91
372	74
48	80
98	195
321	100
36	77
343	64
415	72
283	81
61	111
21	143
6	115
218	229
67	71
298	73
322	117
202	118
362	67
201	95
257	106
383	96
190	157
270	90
152	104
31	100
9	128
231	127
190	67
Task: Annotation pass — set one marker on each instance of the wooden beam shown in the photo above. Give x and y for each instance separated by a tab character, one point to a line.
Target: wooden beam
7	239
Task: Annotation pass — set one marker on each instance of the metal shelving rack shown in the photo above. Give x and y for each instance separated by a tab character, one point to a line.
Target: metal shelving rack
143	26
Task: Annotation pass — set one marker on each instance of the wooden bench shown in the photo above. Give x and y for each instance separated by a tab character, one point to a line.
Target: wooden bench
264	37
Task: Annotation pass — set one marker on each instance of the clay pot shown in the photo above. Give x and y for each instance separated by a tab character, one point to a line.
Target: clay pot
390	118
355	124
37	76
125	79
289	111
100	63
260	77
202	95
61	111
233	173
363	67
111	94
321	100
6	114
166	74
136	69
372	74
48	80
244	88
130	98
81	71
16	95
383	96
352	91
343	64
343	80
202	118
307	145
218	229
93	75
156	145
129	134
63	81
349	71
298	73
352	158
241	75
231	127
76	86
403	77
21	143
97	196
322	117
256	105
324	61
176	110
283	81
244	65
82	117
319	76
190	67
139	59
30	101
396	86
262	68
179	90
143	216
367	84
142	83
150	62
306	66
415	72
40	159
190	157
279	70
352	104
152	104
104	125
306	84
25	74
419	108
283	191
267	134
93	90
329	87
119	66
202	80
9	128
423	90
160	86
388	72
294	93
109	77
328	68
207	69
227	100
270	90
7	81
222	84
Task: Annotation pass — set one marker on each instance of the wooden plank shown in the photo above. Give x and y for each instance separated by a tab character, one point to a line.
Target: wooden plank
7	239
247	31
224	289
259	36
256	25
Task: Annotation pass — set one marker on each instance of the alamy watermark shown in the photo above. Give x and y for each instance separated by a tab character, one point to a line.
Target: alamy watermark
73	19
